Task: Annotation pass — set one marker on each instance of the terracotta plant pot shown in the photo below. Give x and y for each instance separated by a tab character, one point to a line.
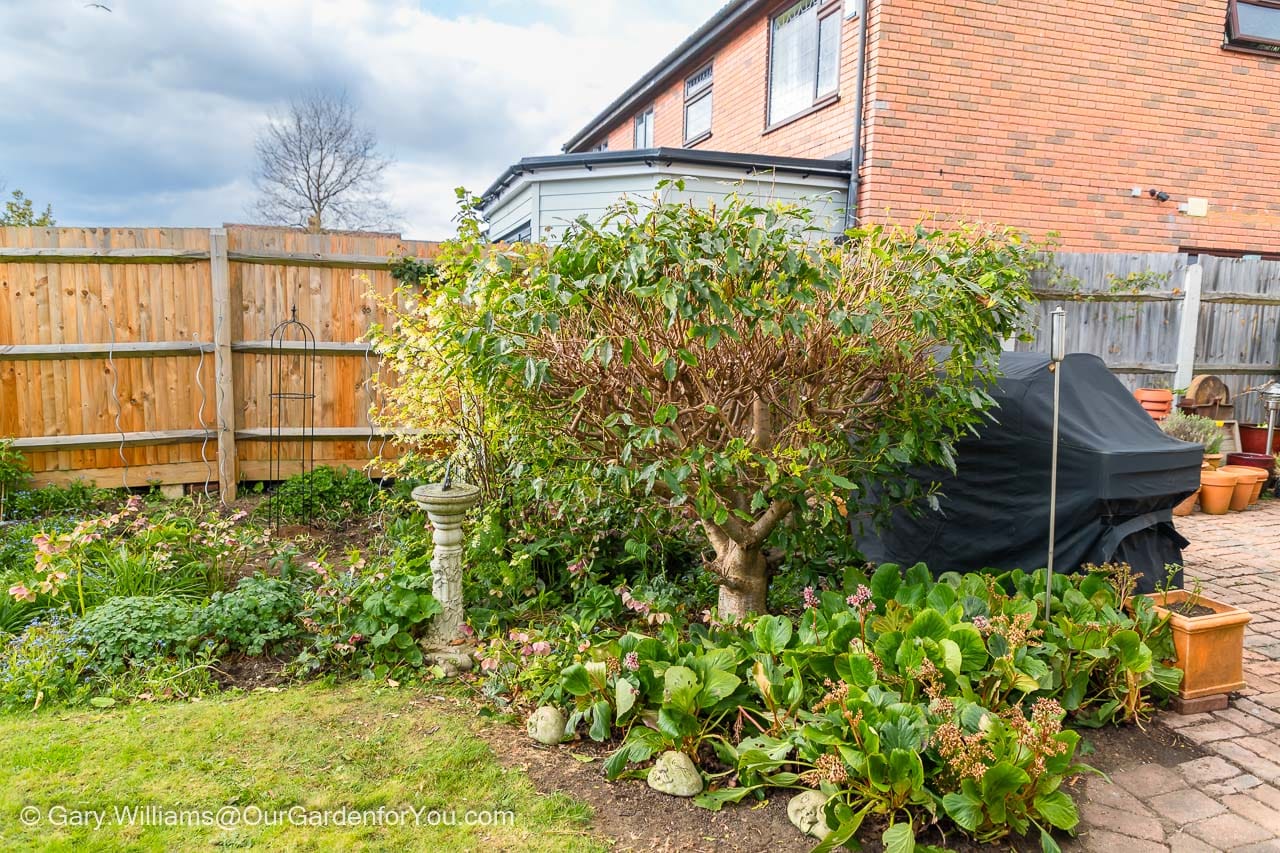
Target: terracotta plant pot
1254	477
1188	506
1253	439
1214	460
1157	401
1216	491
1210	648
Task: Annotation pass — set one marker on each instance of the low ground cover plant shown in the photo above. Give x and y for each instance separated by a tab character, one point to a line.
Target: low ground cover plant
913	699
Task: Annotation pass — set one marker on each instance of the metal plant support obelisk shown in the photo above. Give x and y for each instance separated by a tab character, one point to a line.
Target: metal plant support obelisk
1057	353
446	504
292	344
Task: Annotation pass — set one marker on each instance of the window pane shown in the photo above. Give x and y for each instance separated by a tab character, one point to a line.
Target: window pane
828	54
644	129
1259	22
794	62
698	82
697	117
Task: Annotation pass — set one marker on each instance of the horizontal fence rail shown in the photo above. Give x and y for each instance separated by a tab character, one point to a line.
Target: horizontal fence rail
131	355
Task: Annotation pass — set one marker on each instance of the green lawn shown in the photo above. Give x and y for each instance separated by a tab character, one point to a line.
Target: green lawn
309	749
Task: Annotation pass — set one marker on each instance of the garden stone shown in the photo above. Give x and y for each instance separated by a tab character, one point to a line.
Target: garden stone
546	725
674	773
806	811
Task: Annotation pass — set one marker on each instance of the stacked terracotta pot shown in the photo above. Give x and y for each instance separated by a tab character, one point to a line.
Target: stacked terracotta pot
1157	401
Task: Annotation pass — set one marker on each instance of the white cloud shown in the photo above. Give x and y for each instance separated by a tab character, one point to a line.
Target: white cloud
146	115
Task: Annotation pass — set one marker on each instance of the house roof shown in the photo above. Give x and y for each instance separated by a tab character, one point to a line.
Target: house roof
749	163
729	16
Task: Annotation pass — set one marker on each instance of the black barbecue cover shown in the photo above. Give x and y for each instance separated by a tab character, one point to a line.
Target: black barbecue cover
1119	477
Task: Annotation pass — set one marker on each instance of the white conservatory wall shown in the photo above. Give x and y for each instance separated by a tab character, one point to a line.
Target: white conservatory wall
551	199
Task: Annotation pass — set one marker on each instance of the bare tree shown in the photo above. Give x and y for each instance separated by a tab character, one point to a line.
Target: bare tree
319	168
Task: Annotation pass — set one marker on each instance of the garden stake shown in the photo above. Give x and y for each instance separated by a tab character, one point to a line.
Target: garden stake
1057	352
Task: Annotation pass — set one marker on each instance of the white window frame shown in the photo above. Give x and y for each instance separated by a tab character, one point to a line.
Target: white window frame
696	90
825	9
640	120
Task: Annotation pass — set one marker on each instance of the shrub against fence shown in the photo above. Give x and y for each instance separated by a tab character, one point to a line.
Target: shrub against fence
141	355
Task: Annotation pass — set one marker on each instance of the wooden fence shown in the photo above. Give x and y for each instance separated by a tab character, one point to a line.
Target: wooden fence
1159	319
141	355
135	356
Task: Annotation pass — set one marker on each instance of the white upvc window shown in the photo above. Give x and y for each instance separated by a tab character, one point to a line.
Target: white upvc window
804	57
697	105
644	129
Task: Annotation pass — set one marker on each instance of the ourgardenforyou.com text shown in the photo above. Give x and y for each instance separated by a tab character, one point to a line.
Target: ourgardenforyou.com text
231	817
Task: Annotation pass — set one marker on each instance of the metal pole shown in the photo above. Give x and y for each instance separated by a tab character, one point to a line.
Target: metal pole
1057	352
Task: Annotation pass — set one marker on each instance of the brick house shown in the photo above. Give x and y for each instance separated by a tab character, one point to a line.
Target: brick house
1122	126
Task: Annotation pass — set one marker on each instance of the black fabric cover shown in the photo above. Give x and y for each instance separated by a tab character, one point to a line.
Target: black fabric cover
1119	477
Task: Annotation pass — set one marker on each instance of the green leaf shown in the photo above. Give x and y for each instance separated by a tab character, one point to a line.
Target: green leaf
856	669
1057	808
719	684
951	655
677	724
899	838
715	800
1047	844
669	370
885	582
574	679
624	696
930	624
601	721
102	702
973	652
966	811
1001	780
772	633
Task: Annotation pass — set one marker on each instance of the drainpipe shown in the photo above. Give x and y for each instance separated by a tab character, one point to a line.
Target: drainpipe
855	160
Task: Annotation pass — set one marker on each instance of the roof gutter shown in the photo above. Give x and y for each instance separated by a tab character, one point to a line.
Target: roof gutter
856	156
729	16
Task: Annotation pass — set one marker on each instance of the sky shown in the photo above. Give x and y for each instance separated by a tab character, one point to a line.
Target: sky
146	115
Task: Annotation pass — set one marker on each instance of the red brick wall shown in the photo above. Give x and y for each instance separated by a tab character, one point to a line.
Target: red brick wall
739	99
1037	114
1044	115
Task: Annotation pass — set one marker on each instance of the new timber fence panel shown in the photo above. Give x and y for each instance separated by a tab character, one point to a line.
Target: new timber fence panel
134	331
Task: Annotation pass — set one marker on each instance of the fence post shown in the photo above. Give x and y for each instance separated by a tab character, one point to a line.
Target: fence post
1188	324
220	277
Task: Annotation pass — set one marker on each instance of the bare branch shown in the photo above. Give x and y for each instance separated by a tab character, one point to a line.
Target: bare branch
319	168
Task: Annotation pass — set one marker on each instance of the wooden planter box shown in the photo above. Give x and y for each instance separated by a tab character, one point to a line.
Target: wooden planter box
1210	648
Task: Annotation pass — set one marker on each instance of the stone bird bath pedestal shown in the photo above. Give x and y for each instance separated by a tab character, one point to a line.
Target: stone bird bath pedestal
446	505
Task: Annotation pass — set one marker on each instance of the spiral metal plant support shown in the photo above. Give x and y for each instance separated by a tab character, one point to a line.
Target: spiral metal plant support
204	397
115	398
293	341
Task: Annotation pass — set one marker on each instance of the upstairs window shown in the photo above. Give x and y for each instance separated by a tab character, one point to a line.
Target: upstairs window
697	106
644	129
1254	24
602	145
804	57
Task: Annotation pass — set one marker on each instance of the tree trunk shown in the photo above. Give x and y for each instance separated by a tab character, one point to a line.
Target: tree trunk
746	581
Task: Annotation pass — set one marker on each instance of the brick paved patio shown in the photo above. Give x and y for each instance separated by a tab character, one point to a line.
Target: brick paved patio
1230	799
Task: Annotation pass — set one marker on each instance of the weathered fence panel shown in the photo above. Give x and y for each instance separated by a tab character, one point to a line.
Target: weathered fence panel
134	354
1159	319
